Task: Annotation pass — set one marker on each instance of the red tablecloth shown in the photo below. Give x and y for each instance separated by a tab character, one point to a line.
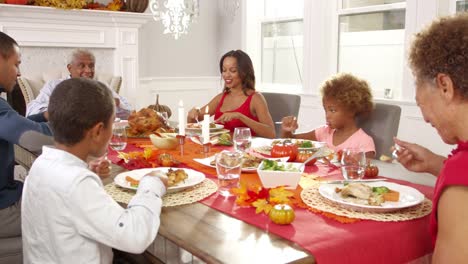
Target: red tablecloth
327	239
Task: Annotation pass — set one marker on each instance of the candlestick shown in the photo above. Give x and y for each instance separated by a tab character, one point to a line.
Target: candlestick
206	148
181	144
181	118
206	127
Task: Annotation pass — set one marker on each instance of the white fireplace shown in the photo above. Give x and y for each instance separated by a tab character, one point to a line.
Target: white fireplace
47	35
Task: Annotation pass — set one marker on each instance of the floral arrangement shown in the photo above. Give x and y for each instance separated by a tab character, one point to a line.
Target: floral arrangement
263	199
115	5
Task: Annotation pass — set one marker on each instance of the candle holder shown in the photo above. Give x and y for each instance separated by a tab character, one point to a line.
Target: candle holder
181	144
206	148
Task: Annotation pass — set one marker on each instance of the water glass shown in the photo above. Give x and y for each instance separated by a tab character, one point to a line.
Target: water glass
118	140
242	138
353	164
228	167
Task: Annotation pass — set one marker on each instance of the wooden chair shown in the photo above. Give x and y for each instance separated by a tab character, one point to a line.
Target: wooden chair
382	125
281	105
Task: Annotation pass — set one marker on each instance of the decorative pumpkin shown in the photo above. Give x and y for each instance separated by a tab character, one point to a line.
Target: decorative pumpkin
303	155
284	150
161	108
136	5
282	214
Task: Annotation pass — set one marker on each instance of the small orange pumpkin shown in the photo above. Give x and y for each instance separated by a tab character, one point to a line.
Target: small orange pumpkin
282	214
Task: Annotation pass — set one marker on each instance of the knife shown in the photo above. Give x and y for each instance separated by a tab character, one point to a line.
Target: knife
353	181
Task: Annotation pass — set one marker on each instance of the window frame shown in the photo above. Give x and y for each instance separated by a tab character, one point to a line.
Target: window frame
378	94
254	46
321	20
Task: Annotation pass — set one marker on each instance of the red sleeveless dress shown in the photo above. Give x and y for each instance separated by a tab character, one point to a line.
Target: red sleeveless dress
243	109
454	172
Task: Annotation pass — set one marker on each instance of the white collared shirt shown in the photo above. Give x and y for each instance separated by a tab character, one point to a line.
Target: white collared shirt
41	102
67	216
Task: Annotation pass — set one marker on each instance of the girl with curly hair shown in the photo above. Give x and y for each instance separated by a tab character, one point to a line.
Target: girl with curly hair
439	60
344	98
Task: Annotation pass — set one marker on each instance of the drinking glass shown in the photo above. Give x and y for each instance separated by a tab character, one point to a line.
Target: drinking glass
228	167
242	138
353	164
118	140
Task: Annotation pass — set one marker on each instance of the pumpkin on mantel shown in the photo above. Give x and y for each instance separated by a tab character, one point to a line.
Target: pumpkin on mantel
136	5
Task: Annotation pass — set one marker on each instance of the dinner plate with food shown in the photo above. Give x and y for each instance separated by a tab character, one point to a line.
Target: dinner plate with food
250	162
372	196
265	146
178	179
196	127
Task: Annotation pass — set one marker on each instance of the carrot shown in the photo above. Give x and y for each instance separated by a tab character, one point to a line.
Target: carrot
131	180
391	196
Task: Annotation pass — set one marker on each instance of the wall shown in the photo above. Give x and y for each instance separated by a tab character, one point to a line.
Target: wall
194	54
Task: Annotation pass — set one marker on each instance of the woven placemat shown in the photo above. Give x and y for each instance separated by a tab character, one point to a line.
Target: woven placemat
187	196
312	198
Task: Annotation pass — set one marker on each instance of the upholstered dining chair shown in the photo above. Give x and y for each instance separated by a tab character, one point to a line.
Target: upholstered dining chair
281	105
31	85
382	125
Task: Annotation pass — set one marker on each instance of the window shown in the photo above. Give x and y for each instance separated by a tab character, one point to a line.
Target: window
462	6
276	46
371	42
282	52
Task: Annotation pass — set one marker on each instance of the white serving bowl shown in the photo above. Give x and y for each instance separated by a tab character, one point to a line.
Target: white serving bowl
272	179
166	142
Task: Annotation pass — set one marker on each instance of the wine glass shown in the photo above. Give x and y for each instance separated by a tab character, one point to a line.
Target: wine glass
242	138
353	163
118	140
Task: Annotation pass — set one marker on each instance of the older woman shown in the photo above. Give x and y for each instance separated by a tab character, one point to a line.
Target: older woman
439	60
238	105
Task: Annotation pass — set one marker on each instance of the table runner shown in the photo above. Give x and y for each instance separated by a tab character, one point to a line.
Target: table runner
328	240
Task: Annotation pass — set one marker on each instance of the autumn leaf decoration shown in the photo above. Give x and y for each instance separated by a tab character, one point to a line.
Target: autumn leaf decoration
262	199
137	159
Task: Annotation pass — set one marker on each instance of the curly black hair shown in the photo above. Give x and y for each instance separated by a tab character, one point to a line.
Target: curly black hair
351	92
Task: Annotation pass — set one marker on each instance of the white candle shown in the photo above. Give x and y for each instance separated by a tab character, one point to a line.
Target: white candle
206	127
181	118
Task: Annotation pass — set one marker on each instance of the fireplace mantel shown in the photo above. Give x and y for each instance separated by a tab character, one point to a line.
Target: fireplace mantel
116	33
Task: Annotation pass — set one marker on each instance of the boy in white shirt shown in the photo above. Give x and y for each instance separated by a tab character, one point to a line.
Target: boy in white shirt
67	217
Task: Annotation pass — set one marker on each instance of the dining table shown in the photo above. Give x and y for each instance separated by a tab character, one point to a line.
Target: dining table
218	230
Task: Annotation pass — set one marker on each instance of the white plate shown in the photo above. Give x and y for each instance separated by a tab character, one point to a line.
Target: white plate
212	129
264	145
408	197
194	178
207	162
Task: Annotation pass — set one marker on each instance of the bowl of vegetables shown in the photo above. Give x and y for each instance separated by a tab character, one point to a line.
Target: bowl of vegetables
276	173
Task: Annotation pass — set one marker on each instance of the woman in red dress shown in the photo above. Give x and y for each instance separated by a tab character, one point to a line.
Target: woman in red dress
239	105
439	60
